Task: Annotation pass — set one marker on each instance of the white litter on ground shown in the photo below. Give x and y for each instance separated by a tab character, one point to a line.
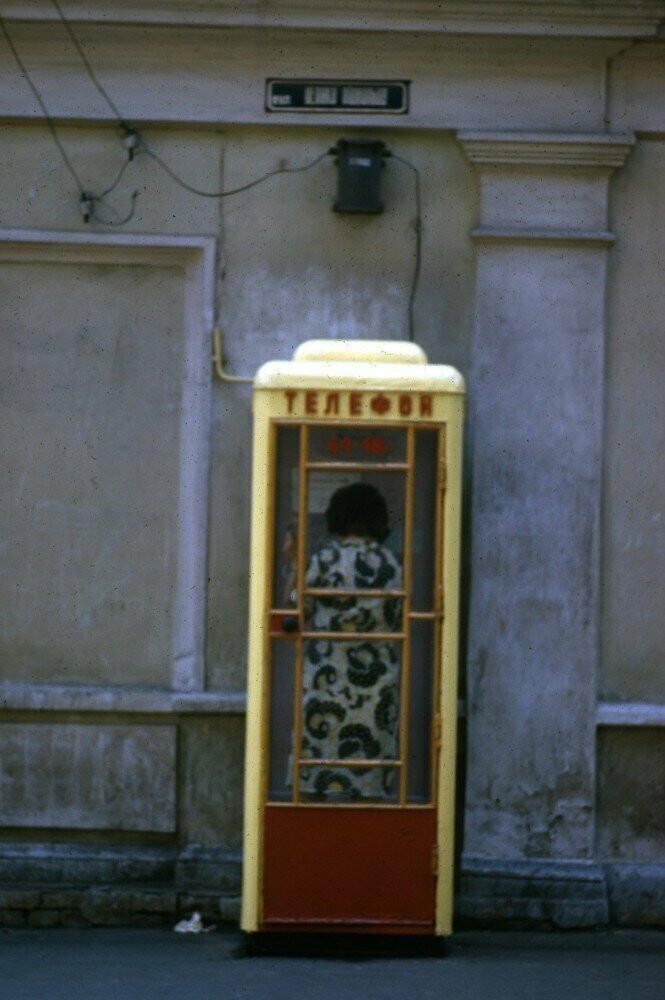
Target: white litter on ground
193	926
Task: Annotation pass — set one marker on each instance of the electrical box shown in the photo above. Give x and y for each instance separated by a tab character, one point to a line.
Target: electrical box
359	166
352	679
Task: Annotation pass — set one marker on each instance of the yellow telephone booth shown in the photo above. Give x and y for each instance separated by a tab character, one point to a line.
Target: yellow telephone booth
350	753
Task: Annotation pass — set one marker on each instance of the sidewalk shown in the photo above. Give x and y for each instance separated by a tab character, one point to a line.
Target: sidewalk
133	964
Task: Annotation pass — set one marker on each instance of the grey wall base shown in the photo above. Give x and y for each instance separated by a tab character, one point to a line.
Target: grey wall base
59	885
559	894
56	885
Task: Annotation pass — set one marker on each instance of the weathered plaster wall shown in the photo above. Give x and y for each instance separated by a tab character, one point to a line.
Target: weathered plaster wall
76	776
291	269
631	807
536	502
630	759
565	540
91	391
633	639
94	433
457	81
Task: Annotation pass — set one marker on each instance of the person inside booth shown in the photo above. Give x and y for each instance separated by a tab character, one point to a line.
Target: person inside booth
350	696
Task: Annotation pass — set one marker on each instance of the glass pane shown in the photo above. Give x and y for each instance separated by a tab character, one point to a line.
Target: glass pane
280	763
424	516
351	614
356	444
350	711
421	683
355	506
286	507
360	785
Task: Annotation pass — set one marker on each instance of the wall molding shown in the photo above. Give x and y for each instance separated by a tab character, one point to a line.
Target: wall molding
547	148
215	76
600	238
120	699
627	713
612	19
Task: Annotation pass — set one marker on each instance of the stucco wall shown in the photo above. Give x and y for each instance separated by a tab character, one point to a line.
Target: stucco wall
630	763
123	585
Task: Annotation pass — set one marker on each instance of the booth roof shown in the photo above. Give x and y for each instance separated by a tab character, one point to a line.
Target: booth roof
386	364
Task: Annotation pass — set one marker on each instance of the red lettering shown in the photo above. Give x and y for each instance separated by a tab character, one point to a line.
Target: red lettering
426	406
311	402
332	403
355	403
373	445
405	405
380	404
290	396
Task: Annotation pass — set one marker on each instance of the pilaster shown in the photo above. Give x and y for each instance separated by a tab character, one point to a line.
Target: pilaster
536	420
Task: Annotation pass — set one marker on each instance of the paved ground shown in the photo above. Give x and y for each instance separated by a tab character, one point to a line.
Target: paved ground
124	964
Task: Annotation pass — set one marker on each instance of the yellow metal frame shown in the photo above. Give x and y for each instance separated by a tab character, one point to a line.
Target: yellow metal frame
332	375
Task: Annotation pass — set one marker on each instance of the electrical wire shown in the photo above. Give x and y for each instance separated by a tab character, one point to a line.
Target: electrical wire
40	102
144	148
116	181
418	247
87	200
136	144
141	145
84	59
109	222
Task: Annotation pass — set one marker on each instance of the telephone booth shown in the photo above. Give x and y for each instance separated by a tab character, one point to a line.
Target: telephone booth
350	752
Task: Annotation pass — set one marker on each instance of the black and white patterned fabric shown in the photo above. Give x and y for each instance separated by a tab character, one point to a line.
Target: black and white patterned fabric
351	689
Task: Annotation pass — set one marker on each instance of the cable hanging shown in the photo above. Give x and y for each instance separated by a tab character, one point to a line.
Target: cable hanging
418	226
84	59
135	145
133	141
40	102
88	201
143	148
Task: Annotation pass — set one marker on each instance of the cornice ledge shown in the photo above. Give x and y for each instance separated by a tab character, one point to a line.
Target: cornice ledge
610	713
590	238
547	148
117	698
609	19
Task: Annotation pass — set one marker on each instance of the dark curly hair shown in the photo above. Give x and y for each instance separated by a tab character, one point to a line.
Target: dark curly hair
358	509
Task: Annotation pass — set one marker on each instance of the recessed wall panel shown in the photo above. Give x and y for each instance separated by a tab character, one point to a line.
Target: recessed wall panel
90	397
88	777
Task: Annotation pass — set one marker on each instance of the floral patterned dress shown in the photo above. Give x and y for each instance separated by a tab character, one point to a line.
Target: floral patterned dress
351	689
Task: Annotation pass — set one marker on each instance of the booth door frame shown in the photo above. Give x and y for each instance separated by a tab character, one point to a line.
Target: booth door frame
343	866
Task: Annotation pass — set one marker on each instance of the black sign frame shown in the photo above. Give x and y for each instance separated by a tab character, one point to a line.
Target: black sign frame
326	96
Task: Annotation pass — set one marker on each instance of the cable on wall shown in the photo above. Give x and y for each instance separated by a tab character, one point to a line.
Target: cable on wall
135	145
142	147
84	60
40	102
133	142
418	226
87	200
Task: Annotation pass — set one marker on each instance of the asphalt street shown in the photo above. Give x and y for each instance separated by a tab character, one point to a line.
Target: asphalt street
123	964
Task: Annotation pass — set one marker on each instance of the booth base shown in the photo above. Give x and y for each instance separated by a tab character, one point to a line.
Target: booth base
334	944
353	870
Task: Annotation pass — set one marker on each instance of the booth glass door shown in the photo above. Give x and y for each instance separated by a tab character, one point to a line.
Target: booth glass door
354	610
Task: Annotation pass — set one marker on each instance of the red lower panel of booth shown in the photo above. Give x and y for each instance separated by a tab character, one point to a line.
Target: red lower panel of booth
352	869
